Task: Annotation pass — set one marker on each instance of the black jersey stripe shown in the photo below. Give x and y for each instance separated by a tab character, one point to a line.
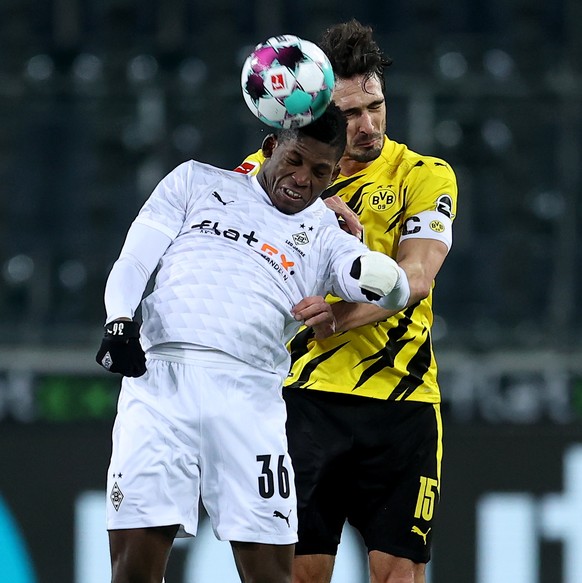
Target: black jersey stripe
301	381
403	323
416	368
385	357
299	345
355	202
393	345
394	221
335	188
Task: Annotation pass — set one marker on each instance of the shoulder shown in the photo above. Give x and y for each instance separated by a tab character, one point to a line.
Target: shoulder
323	214
415	164
320	221
203	169
331	236
202	173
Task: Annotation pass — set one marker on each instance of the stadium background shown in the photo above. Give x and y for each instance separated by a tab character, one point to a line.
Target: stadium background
100	98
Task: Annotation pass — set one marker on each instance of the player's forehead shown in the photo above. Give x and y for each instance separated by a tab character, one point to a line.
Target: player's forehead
357	92
310	150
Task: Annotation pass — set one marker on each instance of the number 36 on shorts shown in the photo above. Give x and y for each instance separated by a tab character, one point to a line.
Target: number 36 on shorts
273	477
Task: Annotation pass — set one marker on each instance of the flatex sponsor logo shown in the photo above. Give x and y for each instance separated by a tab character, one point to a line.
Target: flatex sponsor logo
276	258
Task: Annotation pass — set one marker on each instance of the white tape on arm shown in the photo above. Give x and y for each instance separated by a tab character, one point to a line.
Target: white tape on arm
400	294
382	276
373	278
379	273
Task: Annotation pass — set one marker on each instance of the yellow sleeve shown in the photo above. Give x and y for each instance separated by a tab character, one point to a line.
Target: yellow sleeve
251	164
431	185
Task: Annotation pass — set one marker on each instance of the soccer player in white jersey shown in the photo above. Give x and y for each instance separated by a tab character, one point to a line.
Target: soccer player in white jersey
200	415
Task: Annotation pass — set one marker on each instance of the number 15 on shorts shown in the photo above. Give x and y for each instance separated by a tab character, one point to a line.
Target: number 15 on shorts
426	498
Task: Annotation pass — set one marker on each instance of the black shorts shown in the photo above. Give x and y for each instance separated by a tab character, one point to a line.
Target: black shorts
375	463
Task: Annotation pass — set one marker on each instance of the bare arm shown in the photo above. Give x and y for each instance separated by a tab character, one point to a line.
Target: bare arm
421	259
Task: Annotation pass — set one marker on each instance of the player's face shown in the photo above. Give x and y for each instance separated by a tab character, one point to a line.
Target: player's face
296	171
364	105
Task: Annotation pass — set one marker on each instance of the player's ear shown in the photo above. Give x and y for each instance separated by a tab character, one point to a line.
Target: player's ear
269	144
335	173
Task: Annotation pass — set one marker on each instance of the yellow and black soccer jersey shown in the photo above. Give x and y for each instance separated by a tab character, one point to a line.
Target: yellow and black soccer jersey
392	359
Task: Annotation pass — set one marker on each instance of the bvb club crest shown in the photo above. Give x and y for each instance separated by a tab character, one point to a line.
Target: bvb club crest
381	199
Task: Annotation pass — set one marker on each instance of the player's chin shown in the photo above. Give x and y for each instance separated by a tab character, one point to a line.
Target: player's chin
290	206
366	154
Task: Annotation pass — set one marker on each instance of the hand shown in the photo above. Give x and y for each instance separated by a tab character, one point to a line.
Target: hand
120	349
348	219
314	311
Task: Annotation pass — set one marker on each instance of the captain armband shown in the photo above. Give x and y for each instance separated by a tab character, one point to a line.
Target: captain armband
429	225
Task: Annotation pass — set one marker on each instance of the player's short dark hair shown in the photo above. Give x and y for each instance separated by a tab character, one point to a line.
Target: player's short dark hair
329	128
352	51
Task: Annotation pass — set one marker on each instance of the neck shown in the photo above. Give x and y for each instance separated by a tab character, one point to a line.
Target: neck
348	166
261	179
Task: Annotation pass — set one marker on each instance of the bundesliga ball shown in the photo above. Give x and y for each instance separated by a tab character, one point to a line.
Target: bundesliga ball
287	81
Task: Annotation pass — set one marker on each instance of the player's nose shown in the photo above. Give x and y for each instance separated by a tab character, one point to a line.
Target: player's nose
366	124
302	176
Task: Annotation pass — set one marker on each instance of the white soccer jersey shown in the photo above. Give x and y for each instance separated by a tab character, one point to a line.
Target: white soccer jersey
236	265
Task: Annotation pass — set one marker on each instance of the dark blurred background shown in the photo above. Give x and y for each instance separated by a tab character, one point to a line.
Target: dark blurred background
100	98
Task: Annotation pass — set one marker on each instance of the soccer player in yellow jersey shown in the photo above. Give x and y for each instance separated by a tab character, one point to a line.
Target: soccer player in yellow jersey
364	424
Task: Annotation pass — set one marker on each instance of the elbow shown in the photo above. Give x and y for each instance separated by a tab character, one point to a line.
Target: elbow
419	290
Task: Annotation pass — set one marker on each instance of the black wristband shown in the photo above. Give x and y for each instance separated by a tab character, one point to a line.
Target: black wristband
122	330
120	349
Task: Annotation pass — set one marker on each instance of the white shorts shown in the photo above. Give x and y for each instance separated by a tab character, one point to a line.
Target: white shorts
211	432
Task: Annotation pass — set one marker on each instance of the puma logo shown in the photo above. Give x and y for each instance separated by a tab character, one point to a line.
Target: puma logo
277	514
417	530
217	197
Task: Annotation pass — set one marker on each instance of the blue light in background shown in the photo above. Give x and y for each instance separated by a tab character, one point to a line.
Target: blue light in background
15	563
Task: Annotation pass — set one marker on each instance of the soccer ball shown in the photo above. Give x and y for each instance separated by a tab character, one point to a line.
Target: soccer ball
287	81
